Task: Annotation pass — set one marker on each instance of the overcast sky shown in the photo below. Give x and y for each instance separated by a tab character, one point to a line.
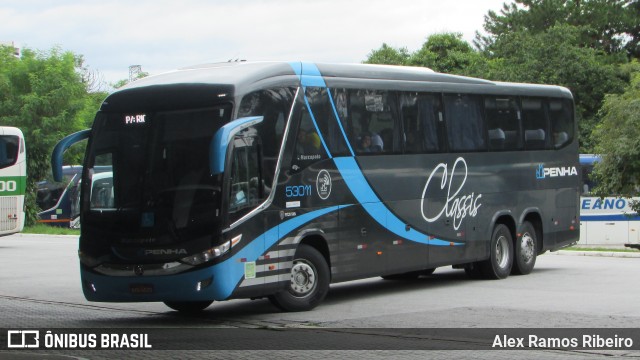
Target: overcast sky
164	35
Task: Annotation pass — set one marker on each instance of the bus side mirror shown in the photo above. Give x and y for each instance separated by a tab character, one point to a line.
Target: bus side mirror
61	147
222	139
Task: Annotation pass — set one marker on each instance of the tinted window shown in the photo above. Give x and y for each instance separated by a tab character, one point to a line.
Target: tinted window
324	113
274	105
503	122
370	120
421	115
465	128
308	146
8	150
535	124
561	115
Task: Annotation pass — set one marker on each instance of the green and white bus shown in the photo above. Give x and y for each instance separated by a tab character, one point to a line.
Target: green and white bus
13	180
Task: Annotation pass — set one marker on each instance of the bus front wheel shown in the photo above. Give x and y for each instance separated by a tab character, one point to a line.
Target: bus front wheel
499	264
526	250
309	281
188	307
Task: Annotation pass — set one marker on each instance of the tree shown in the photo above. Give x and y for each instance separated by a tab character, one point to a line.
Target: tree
618	141
445	52
388	55
612	26
46	95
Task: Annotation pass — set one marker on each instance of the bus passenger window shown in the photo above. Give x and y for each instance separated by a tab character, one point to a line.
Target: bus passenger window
308	146
421	114
465	127
503	121
562	127
534	124
372	122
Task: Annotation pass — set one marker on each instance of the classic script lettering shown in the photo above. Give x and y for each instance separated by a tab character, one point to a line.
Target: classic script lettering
457	207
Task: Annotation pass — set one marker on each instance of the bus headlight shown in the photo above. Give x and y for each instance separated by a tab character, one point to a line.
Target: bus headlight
212	253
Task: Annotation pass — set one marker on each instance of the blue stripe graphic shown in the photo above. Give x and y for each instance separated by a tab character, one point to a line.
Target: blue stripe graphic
226	275
315	124
335	113
617	217
232	270
355	180
310	75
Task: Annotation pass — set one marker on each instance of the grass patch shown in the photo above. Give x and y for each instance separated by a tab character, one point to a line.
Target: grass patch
578	248
50	230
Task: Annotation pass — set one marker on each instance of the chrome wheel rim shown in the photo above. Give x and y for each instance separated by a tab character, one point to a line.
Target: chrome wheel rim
303	278
502	252
527	247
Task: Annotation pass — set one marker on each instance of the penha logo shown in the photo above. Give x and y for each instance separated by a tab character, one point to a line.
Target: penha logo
323	184
544	172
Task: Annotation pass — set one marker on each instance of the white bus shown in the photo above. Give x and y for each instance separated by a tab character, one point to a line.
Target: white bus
13	180
606	222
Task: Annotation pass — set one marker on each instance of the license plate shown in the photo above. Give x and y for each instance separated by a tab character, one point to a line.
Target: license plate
141	288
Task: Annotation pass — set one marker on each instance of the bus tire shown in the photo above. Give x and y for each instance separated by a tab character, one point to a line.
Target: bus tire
188	307
525	250
309	281
500	261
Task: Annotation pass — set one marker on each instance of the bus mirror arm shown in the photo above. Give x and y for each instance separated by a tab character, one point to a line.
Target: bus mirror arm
61	147
222	139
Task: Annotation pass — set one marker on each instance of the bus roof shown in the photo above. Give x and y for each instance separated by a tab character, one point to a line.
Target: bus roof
192	85
589	159
9	130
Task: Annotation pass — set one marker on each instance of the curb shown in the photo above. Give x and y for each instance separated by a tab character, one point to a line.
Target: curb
597	253
47	236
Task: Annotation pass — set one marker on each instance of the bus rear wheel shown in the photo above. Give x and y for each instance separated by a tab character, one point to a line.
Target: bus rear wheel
188	307
309	281
526	250
499	264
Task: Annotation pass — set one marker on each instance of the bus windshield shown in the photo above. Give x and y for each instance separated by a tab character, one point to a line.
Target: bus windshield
160	184
8	150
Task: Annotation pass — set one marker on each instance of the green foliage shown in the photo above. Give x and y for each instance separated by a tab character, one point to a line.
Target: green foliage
445	52
50	230
45	95
388	55
618	140
608	25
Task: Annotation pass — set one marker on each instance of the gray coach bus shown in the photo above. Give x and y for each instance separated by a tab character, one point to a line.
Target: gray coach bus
275	179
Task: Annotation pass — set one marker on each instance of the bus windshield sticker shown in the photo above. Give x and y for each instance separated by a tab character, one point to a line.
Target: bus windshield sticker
374	103
456	207
293	204
323	184
250	270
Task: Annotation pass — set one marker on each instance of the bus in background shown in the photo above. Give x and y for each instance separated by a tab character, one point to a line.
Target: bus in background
57	199
605	222
13	180
60	201
275	179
